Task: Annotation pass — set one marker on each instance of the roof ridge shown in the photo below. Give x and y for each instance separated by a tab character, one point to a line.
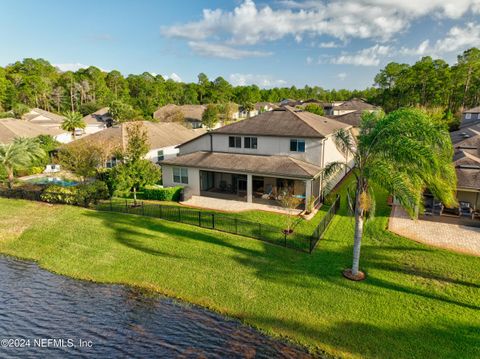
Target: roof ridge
291	109
470	156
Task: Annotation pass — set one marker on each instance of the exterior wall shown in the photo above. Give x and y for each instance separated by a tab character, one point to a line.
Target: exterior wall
168	152
332	154
266	146
94	128
64	137
190	189
341	112
469	196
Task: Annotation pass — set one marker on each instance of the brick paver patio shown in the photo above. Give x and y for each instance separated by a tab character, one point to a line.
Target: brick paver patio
450	236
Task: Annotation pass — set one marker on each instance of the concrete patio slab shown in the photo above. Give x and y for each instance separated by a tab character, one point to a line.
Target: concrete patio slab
444	235
225	205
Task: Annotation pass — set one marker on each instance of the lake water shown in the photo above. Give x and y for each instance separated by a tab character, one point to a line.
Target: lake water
51	314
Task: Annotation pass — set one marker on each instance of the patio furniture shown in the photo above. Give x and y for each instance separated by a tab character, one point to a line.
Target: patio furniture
437	208
466	210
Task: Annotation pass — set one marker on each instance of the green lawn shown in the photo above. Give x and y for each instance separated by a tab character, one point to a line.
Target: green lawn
418	302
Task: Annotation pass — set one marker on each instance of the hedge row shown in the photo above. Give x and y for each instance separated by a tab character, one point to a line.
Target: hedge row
162	194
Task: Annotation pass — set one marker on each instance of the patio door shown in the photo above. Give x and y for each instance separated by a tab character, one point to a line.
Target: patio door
206	180
241	183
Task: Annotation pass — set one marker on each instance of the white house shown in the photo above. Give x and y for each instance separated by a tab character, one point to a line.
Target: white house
470	117
162	137
258	159
98	121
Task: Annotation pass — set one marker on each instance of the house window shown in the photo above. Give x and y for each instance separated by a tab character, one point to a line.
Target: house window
160	155
297	145
112	162
250	142
180	175
234	142
468	116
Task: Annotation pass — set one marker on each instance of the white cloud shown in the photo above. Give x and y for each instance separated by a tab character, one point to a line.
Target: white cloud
173	76
238	79
309	60
329	45
457	39
342	76
227	52
366	57
249	24
70	67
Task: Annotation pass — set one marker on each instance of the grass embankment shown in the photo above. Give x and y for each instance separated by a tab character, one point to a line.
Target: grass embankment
418	302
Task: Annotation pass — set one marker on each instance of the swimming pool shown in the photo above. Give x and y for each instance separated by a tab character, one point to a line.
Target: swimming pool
52	181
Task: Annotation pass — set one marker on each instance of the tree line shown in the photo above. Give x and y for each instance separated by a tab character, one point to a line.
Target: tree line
431	83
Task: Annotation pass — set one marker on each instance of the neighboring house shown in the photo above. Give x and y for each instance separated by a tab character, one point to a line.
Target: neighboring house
163	137
349	112
257	159
192	114
11	128
290	102
466	142
43	118
470	117
98	121
259	107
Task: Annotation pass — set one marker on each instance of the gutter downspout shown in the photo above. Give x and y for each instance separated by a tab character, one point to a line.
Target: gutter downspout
211	142
323	166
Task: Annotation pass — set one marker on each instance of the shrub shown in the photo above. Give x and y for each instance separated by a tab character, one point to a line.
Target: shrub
162	194
59	194
92	192
83	194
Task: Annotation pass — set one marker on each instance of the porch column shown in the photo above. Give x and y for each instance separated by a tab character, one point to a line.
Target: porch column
308	190
249	188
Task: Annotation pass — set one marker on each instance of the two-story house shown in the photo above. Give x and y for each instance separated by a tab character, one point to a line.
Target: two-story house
258	159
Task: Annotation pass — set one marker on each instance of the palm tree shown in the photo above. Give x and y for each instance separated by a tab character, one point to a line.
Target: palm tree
73	120
19	154
405	153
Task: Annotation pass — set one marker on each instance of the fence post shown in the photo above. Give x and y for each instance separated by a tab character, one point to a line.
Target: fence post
143	209
199	218
213	220
285	237
160	210
126	206
179	215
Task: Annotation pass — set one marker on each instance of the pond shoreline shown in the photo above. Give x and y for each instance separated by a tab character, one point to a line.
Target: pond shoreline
158	294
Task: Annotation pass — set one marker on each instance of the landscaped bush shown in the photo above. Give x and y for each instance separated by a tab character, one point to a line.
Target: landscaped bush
161	193
83	194
59	194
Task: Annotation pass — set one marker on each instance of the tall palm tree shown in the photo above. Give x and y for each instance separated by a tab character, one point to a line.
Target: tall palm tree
19	154
405	153
73	120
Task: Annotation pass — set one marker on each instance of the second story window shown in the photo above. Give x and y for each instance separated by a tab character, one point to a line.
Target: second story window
297	145
250	142
160	155
468	116
235	142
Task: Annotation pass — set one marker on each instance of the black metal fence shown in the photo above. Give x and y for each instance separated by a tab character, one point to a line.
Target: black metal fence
210	220
323	225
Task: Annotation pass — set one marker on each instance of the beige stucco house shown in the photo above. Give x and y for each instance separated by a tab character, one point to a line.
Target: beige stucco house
257	159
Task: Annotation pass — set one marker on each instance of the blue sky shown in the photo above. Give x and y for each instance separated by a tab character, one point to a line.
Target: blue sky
333	44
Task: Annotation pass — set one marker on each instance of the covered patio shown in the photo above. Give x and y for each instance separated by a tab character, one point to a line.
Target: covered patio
256	189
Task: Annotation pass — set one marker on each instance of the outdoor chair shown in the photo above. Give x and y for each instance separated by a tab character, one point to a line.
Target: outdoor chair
466	210
438	208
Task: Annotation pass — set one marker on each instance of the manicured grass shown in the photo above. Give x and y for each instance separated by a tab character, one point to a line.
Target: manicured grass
417	302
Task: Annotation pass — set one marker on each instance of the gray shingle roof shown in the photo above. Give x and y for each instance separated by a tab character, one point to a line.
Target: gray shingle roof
163	134
473	110
352	118
465	133
285	122
256	164
355	104
467	166
37	115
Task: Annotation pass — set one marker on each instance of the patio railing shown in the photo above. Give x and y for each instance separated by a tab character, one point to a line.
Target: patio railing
215	221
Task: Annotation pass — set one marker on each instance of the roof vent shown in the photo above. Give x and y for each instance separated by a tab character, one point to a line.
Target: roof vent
466	136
